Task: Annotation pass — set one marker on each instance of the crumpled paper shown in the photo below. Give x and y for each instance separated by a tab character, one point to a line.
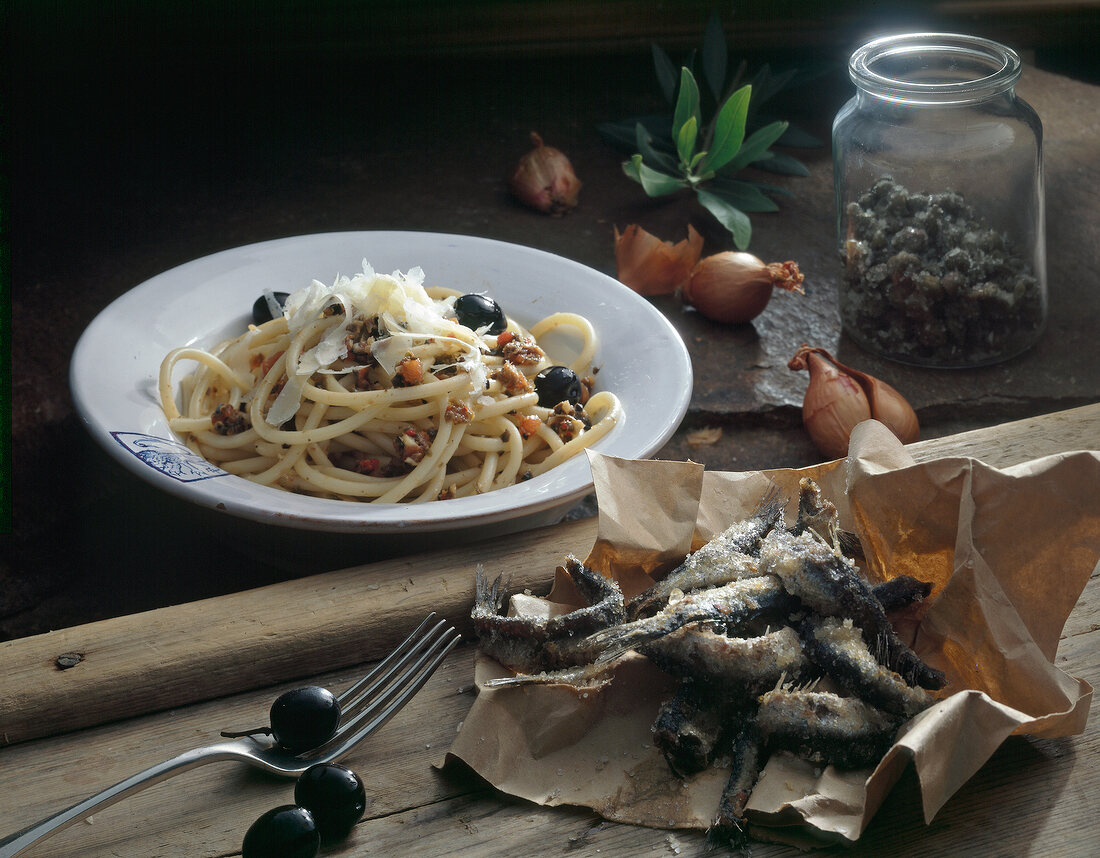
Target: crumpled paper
1009	552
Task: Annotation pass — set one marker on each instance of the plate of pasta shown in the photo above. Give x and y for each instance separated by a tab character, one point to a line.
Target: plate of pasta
380	381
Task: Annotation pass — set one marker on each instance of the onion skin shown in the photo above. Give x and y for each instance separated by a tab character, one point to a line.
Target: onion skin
839	397
832	407
650	266
544	180
890	408
735	287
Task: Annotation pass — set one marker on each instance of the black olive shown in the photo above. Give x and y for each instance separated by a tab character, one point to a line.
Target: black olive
557	384
304	718
476	311
335	796
287	831
261	309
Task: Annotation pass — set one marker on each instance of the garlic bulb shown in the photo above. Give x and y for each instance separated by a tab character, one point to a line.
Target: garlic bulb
544	179
839	397
650	266
736	286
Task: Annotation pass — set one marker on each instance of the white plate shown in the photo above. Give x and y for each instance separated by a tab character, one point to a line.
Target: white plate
115	365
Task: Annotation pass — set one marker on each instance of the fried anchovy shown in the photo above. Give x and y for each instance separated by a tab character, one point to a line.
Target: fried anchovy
820	516
829	584
748	757
535	643
900	592
729	556
838	648
825	728
741	667
850	544
815	513
732	605
687	728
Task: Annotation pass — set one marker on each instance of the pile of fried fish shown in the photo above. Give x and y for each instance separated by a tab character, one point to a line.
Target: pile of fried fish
776	640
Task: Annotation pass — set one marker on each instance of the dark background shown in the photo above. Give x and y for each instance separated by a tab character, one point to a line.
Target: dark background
138	135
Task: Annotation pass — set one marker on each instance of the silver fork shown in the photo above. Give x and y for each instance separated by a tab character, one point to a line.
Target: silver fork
365	706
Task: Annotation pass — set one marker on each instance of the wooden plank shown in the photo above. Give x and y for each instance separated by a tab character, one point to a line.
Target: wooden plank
202	650
1033	797
205	649
205	812
1021	440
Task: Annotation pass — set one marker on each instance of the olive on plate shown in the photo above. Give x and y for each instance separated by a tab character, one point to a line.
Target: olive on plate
476	311
267	306
558	384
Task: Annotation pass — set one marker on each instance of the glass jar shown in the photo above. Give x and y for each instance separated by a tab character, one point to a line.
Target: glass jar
939	194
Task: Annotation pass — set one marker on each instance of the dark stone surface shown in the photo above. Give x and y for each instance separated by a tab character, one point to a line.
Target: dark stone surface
122	170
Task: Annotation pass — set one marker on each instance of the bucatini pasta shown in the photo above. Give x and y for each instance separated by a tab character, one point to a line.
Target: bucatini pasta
372	389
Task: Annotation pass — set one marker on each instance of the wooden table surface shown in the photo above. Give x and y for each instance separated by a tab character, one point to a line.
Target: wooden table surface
156	684
142	148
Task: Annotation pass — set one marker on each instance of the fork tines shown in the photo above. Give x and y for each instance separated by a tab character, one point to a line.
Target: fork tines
380	694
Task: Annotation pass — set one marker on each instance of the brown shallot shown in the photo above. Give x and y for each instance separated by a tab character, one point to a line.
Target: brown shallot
544	179
839	397
734	286
651	266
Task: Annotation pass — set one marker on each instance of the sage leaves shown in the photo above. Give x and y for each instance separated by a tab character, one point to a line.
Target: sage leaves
708	156
714	132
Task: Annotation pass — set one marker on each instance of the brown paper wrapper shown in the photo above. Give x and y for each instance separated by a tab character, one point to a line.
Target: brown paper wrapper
1009	552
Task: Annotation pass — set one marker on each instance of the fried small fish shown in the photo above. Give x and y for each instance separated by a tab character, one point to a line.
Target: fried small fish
839	649
731	605
901	592
828	583
820	516
729	556
743	623
584	660
825	728
737	667
534	643
815	513
747	758
688	727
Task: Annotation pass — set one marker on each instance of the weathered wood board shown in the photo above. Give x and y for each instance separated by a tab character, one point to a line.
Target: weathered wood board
1032	798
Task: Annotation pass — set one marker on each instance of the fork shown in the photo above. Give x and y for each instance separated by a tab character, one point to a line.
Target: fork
364	707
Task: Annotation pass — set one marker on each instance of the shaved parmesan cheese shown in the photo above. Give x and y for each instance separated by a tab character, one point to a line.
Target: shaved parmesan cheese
407	317
286	403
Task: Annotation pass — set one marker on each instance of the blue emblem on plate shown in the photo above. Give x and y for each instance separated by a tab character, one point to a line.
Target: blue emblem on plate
171	458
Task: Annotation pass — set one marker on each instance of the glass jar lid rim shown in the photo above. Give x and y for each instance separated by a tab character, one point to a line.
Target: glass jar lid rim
1005	62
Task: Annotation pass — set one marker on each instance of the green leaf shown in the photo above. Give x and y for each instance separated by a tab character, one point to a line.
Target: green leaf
654	183
765	84
756	146
666	73
715	55
619	133
622	133
783	164
687	105
770	190
685	141
731	217
745	196
729	130
652	156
